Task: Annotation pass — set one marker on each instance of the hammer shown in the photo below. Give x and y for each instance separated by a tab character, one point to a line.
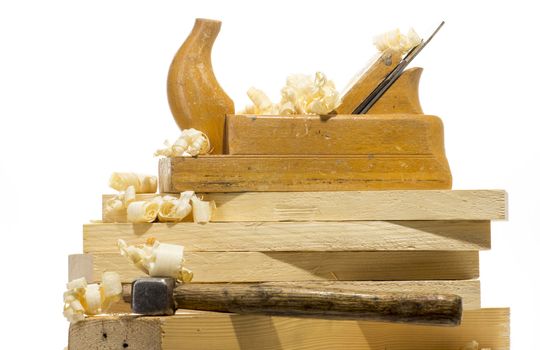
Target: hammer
160	296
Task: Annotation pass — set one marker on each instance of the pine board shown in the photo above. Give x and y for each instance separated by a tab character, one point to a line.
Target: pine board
302	266
296	236
353	205
231	173
208	331
80	265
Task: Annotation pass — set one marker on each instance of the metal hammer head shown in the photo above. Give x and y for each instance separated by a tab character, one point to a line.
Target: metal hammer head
153	296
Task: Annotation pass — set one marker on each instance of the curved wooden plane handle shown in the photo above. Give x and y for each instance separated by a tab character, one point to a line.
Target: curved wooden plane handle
195	97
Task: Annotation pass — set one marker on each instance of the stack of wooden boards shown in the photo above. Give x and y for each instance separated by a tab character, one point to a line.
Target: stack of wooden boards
416	235
414	240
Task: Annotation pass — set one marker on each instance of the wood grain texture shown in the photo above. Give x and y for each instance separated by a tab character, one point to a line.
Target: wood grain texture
116	333
296	236
208	331
490	327
353	205
361	86
402	96
383	134
328	302
229	173
195	97
215	267
80	265
468	290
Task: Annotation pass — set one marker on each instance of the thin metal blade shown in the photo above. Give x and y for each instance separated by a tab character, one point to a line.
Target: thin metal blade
374	96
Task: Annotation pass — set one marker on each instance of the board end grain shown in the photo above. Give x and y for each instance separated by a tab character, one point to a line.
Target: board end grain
164	172
116	333
80	265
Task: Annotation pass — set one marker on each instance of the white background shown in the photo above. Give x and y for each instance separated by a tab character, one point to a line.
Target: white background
82	94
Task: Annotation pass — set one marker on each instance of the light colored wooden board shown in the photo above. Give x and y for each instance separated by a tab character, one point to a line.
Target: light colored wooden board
354	205
208	331
120	307
469	290
383	134
302	266
229	173
112	332
296	236
489	327
80	265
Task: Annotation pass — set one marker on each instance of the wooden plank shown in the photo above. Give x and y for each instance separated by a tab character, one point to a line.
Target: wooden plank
489	327
80	265
296	236
229	173
302	266
208	331
382	134
354	205
468	290
116	332
120	307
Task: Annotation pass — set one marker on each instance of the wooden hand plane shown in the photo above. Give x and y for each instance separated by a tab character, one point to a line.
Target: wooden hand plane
394	146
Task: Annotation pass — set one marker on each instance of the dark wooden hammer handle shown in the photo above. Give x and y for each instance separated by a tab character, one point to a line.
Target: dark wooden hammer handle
289	300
